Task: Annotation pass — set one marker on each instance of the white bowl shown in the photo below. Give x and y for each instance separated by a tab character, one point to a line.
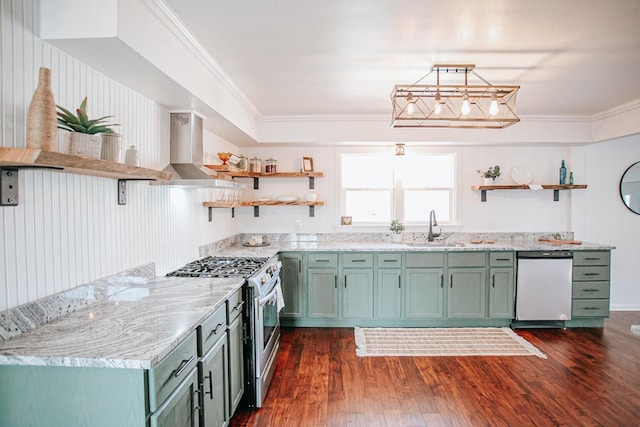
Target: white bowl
287	199
310	197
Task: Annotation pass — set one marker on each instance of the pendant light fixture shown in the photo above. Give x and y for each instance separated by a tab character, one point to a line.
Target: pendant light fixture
465	105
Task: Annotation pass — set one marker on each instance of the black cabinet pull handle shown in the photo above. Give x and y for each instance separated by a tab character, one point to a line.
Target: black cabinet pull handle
451	281
592	259
390	260
210	392
442	280
503	259
215	330
322	260
345	281
591	274
299	266
493	281
591	290
398	281
335	281
182	367
358	260
591	308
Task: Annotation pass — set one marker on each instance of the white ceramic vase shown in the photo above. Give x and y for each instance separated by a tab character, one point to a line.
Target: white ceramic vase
397	237
488	181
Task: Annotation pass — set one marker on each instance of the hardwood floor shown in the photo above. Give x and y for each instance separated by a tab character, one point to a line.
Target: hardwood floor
590	378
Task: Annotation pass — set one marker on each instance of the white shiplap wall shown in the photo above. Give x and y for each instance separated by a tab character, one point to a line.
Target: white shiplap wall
69	229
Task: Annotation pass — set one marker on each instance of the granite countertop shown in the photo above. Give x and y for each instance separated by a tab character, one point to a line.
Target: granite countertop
134	328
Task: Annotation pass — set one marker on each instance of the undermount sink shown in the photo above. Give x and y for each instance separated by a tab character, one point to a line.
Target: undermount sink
434	244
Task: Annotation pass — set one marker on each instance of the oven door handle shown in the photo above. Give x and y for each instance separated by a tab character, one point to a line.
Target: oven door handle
271	297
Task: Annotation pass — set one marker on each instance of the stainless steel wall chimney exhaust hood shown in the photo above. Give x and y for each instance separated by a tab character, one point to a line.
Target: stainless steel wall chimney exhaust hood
186	155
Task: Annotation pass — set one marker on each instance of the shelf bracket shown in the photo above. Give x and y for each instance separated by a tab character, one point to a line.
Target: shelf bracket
210	214
312	211
122	191
9	187
256	183
556	195
312	183
256	211
233	212
483	195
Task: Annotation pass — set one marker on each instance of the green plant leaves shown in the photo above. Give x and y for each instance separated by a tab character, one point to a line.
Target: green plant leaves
80	123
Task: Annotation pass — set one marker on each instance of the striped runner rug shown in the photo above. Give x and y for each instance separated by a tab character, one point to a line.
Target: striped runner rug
442	342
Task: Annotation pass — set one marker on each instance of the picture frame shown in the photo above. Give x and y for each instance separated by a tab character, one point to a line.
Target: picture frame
307	164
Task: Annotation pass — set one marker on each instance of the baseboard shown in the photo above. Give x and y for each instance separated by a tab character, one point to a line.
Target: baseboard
625	307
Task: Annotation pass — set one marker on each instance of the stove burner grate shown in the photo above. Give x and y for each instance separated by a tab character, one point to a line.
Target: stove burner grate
221	267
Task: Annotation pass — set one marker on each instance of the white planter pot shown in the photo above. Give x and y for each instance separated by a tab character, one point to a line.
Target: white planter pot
397	238
488	181
83	145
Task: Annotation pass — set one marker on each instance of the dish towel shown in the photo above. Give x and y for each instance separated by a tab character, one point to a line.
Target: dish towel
279	297
535	187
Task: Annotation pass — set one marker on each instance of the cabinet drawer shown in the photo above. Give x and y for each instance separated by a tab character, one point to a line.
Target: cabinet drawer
596	273
424	259
389	260
466	259
501	259
171	370
590	290
212	330
357	260
322	260
591	258
590	308
234	306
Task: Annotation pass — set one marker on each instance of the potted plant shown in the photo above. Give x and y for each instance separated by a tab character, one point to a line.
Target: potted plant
85	135
396	228
490	174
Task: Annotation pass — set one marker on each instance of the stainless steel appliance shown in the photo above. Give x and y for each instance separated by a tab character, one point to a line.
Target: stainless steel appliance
543	288
263	300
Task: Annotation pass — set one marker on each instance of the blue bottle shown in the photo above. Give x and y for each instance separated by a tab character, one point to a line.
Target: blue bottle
563	174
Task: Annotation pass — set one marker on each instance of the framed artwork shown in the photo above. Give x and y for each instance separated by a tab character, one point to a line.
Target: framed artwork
307	164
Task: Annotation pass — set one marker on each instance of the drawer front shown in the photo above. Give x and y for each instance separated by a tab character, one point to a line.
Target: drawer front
212	330
466	259
592	258
424	259
171	370
234	306
590	290
322	260
389	260
501	259
590	308
595	273
356	259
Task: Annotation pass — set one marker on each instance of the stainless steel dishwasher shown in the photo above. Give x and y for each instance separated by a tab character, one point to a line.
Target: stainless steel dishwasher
543	288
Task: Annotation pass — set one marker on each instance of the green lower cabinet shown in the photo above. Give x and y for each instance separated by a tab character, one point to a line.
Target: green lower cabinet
466	296
424	296
389	293
357	293
322	292
236	363
292	285
182	408
214	381
501	293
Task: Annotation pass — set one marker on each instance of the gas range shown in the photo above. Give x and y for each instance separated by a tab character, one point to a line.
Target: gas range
215	266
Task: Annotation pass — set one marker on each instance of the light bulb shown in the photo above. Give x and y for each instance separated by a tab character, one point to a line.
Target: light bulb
438	107
411	106
493	108
466	107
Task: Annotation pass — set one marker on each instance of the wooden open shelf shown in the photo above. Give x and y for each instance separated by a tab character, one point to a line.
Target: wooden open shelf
256	206
555	187
237	173
14	159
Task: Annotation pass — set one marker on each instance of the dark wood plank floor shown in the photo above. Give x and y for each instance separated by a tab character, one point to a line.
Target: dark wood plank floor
591	378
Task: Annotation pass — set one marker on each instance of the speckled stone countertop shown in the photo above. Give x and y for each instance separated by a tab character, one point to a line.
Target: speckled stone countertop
134	328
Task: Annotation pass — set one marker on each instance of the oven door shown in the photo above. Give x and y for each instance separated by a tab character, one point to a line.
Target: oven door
267	329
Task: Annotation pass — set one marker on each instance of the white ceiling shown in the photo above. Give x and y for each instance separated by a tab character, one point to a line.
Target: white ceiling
570	57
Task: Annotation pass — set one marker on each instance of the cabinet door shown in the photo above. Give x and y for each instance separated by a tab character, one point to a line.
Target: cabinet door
424	297
389	293
357	300
501	292
214	382
182	408
292	286
466	293
322	292
236	366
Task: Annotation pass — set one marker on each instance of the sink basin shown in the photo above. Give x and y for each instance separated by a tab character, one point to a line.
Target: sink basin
435	244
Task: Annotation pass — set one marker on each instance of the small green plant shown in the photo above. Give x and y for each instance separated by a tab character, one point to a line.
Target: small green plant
80	123
492	173
396	226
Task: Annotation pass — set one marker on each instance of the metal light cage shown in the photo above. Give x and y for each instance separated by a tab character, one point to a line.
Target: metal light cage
422	99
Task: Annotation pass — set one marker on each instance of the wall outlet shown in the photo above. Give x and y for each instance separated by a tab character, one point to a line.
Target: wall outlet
298	225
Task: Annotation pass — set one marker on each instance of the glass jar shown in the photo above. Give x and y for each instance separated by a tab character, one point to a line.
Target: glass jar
255	165
271	165
243	163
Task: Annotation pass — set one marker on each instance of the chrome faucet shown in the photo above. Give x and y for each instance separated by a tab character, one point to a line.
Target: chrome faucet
432	222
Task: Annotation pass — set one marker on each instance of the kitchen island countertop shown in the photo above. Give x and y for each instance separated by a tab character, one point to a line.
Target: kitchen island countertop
134	328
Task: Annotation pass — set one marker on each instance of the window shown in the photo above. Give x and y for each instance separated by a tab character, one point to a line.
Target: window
378	187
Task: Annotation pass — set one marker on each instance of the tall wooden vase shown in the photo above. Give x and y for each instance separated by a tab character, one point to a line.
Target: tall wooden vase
41	118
